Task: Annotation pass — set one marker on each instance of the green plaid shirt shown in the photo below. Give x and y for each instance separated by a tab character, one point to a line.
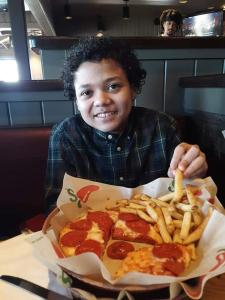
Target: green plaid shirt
139	155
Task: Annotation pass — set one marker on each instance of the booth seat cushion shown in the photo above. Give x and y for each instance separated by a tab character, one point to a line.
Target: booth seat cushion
23	157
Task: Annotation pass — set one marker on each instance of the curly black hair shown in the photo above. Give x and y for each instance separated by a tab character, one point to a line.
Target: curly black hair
94	49
171	15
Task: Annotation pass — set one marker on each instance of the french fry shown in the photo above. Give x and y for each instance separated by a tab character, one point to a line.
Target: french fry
196	234
137	197
135	206
128	210
176	237
192	251
152	212
162	227
145	217
122	202
168	220
197	218
167	197
190	196
186	207
140	202
186	225
176	215
178	223
160	203
156	235
178	187
145	197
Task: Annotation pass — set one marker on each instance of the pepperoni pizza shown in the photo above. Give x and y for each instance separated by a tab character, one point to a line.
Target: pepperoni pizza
93	232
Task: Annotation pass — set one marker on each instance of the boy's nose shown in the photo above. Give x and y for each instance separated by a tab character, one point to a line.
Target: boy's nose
102	98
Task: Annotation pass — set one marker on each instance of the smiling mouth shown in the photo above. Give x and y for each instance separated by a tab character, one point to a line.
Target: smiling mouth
104	115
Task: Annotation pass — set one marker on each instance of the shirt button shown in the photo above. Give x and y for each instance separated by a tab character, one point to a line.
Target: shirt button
109	136
118	148
121	178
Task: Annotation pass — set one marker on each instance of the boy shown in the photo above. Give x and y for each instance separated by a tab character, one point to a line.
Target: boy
111	141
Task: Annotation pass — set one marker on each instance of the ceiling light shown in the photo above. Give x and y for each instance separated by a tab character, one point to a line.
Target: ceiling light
183	1
100	26
223	7
67	12
99	34
126	11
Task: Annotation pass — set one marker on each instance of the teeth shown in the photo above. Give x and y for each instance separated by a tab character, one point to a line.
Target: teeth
105	115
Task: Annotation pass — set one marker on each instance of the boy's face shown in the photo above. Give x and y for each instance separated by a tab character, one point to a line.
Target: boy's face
170	28
104	95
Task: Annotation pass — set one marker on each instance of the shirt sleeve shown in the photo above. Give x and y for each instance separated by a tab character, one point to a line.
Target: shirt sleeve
55	169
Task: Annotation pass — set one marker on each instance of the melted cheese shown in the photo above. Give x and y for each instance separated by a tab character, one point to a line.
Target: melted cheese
127	231
95	234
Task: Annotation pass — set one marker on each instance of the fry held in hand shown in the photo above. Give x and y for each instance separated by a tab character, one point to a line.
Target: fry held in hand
178	187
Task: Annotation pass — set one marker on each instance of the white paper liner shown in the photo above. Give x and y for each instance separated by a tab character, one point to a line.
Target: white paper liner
78	194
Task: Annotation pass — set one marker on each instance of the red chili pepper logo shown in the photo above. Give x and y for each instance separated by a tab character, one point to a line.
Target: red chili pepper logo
84	193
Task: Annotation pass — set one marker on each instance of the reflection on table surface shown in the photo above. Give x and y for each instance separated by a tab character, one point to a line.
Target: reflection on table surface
17	259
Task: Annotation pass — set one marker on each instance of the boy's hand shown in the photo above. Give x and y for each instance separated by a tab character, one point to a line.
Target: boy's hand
190	160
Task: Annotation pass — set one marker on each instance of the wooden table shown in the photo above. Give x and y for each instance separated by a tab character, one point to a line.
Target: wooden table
215	289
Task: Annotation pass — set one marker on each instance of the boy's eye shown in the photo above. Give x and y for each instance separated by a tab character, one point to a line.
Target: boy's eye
85	93
113	86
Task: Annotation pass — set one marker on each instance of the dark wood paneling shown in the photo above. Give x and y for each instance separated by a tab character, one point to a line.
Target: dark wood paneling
203	81
205	129
45	42
31	86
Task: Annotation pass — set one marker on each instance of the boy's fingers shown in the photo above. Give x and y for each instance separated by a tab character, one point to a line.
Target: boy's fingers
191	154
196	167
189	159
179	152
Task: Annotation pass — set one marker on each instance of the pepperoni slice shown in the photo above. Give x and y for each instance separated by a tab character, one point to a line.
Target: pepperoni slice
174	266
128	217
73	238
101	218
167	250
119	249
139	226
81	225
89	246
117	233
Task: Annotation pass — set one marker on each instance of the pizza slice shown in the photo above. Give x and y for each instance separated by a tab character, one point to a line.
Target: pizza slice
130	227
163	259
87	234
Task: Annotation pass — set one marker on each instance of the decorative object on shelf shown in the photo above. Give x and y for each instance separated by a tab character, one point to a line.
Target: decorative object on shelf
126	10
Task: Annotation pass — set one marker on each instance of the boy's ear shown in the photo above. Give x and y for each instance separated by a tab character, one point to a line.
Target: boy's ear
133	94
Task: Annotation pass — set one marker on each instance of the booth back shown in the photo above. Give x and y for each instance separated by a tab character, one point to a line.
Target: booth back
23	156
